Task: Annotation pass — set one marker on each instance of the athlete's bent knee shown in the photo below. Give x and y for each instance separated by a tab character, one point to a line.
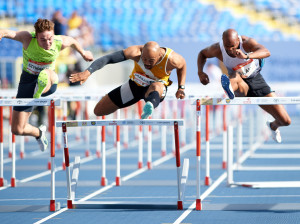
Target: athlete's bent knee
287	121
17	130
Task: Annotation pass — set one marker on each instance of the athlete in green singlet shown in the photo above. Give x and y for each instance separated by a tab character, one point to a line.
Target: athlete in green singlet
40	50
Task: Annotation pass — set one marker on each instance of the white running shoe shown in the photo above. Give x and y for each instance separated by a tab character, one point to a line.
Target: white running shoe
147	110
275	134
42	141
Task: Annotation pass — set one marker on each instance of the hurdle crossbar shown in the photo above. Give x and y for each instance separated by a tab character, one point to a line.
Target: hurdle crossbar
120	122
29	102
250	101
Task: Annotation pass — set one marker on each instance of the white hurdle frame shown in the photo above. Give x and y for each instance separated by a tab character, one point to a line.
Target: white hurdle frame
34	102
229	138
150	122
229	144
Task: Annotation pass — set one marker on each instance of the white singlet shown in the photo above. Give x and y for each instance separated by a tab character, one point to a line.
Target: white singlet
247	68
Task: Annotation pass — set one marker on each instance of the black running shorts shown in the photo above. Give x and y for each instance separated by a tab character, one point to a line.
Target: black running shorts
129	93
257	86
26	89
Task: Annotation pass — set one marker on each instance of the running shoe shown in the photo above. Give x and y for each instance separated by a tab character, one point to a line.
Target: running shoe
147	110
275	134
41	84
227	86
42	140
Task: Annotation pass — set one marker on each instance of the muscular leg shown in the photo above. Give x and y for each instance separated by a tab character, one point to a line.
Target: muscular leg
152	98
105	106
239	86
20	125
156	86
52	79
278	112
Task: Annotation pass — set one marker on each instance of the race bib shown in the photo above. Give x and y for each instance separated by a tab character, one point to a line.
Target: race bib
36	67
142	79
245	69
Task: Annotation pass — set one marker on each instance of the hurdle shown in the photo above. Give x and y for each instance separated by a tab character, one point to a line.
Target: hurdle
231	166
229	138
181	179
31	102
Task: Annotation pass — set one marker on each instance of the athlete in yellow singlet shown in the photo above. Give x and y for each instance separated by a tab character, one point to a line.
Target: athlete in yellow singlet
149	79
40	50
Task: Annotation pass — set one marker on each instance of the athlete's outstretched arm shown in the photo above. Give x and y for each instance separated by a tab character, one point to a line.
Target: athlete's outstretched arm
71	42
21	36
115	57
209	52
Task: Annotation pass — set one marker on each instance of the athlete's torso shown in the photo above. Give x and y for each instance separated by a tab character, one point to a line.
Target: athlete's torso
247	68
36	59
144	77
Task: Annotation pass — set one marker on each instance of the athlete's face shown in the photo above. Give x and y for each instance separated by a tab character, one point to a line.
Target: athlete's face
149	58
45	39
231	46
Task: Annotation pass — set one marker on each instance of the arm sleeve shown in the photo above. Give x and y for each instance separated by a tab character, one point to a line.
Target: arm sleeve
112	58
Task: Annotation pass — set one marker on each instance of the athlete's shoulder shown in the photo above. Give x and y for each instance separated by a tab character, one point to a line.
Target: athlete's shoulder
58	38
133	52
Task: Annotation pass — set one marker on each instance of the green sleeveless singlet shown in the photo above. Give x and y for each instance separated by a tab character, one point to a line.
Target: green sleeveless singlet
36	58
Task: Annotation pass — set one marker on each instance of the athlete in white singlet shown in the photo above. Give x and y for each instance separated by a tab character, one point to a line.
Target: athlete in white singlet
244	58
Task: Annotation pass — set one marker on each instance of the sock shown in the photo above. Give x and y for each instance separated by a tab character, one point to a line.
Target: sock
154	98
51	90
39	135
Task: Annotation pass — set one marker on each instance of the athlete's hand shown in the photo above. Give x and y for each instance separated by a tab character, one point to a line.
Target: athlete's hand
203	78
180	94
240	54
88	56
81	76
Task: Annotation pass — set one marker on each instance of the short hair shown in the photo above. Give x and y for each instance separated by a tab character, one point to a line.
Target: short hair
42	25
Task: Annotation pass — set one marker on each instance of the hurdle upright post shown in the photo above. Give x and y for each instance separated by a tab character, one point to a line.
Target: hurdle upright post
67	162
149	152
198	151
224	163
207	157
1	148
239	138
163	131
52	154
229	155
103	178
177	154
118	175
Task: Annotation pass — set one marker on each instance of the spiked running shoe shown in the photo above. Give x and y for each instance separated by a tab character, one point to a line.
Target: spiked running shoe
42	141
147	110
227	86
275	134
41	84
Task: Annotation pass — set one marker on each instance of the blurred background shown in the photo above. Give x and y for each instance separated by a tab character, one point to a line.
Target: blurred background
186	26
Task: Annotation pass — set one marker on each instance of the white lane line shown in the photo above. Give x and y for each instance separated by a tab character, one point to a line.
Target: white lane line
276	156
202	197
214	185
135	173
51	216
268	168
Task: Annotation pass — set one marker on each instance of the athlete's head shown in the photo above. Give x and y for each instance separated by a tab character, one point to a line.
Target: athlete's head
44	30
151	54
231	42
